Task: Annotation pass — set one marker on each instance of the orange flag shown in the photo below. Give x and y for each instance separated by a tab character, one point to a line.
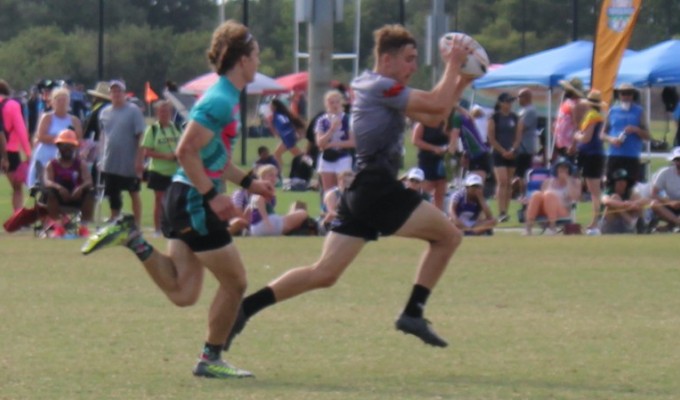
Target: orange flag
614	29
149	95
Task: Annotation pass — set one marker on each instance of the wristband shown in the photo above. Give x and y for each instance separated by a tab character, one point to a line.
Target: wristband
246	182
210	194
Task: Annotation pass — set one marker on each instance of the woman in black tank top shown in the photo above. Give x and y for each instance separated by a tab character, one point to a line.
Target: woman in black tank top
432	144
504	137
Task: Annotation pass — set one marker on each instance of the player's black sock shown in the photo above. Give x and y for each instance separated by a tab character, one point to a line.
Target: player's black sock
140	247
416	303
257	301
211	352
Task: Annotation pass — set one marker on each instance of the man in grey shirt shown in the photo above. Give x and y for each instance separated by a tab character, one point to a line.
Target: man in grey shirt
377	204
528	123
122	124
666	192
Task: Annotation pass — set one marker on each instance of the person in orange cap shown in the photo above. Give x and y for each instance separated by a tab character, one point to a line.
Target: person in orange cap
68	183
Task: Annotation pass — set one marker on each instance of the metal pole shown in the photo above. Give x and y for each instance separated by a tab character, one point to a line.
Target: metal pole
244	103
524	26
221	10
402	13
100	43
574	33
320	37
357	37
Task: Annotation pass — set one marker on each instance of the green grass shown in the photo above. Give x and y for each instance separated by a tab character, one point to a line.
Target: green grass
527	318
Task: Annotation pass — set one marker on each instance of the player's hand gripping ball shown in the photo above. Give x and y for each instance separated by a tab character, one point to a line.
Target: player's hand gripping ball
477	61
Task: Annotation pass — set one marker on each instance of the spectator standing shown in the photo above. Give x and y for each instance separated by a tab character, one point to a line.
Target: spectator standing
568	119
13	128
159	144
285	125
335	139
676	118
476	151
666	192
91	145
51	123
433	142
591	154
468	205
528	145
122	163
504	137
481	120
626	133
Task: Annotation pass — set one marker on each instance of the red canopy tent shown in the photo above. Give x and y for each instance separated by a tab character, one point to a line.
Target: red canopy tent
297	82
261	85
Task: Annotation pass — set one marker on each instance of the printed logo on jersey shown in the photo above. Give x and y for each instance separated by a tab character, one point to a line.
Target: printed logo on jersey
394	90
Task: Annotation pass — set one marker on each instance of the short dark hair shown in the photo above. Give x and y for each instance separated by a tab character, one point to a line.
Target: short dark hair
262	149
5	90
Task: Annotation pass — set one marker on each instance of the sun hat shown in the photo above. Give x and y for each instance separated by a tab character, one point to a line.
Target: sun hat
626	87
473	180
574	85
595	98
101	90
67	136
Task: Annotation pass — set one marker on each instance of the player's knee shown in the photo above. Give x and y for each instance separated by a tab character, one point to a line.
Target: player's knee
324	279
186	300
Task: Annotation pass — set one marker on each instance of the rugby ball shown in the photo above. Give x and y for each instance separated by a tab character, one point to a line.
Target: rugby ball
477	62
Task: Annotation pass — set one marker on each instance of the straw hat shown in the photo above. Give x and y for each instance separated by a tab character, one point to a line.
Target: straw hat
574	85
595	98
101	91
626	87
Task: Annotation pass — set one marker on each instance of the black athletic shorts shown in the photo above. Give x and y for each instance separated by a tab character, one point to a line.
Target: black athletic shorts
630	164
523	164
54	192
158	182
114	184
376	203
190	219
591	165
14	159
501	162
480	163
433	167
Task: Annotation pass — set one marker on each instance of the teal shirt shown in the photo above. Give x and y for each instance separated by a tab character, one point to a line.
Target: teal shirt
219	111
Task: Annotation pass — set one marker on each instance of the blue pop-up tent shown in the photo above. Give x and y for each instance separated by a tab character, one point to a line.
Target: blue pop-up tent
545	68
658	65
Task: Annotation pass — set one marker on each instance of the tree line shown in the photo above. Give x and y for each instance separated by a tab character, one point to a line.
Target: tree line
159	40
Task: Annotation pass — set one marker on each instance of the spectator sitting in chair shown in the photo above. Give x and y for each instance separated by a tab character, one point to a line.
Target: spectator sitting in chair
68	183
468	204
555	198
263	220
622	205
666	192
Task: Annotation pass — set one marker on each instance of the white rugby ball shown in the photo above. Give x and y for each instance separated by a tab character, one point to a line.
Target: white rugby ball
477	62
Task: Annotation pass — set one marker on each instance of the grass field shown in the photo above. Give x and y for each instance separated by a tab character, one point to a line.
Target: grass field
539	318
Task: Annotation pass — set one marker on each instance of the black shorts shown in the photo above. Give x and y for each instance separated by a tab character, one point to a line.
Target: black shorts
158	182
14	159
630	164
523	164
114	184
501	162
375	204
433	167
480	163
190	219
54	192
591	165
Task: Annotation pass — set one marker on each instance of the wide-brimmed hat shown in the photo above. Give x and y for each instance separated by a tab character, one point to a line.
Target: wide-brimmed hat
67	136
594	98
626	87
101	90
574	85
675	154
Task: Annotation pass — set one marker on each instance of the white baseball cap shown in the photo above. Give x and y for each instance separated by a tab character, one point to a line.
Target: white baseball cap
416	173
675	153
473	180
118	83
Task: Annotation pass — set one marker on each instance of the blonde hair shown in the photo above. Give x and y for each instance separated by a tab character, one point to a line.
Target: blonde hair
60	92
264	169
333	93
161	103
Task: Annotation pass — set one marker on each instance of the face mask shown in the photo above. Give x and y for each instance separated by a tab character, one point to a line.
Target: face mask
626	105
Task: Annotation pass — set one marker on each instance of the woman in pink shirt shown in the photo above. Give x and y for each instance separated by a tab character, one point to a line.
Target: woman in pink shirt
17	139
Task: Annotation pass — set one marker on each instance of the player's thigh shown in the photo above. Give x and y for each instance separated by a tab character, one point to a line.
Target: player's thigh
427	222
226	265
338	252
188	265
